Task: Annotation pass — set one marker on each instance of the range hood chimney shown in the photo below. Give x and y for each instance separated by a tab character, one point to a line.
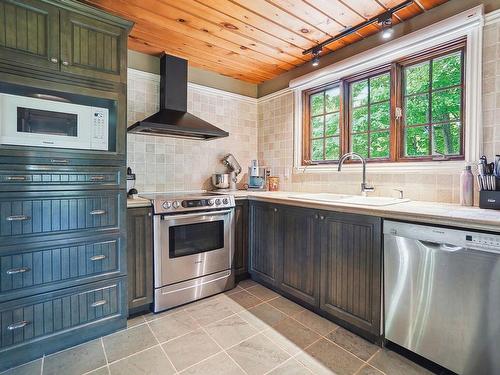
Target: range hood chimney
173	120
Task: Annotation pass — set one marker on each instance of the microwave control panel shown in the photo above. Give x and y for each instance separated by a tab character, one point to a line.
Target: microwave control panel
99	120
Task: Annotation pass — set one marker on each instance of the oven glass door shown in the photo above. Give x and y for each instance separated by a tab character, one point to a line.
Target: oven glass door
192	245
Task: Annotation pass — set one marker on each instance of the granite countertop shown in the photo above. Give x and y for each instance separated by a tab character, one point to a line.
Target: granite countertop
138	202
416	211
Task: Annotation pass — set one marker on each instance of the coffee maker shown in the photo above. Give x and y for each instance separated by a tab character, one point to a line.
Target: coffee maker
257	176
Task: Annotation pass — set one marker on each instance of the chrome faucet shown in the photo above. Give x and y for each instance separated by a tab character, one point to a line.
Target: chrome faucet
364	185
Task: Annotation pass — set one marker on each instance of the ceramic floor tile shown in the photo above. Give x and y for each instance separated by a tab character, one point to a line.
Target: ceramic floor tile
77	360
353	343
149	362
247	283
291	367
296	333
230	331
236	289
210	311
30	368
100	371
172	326
220	364
243	300
394	364
286	306
127	342
132	322
369	370
262	292
257	355
190	349
325	354
315	322
152	316
267	314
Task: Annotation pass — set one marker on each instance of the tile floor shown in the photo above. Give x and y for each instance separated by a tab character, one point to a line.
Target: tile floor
248	330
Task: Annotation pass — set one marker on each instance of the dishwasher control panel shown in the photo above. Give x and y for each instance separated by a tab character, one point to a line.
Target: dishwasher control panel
483	241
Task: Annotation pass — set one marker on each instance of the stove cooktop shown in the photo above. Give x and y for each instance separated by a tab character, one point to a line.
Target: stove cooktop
177	202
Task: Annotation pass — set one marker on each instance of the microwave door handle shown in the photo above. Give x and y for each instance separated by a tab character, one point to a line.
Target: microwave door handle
197	214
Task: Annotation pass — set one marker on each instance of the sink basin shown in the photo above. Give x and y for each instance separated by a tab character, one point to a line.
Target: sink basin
357	200
371	201
320	197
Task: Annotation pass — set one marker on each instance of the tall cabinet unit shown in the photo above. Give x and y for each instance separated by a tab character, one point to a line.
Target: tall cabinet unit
63	267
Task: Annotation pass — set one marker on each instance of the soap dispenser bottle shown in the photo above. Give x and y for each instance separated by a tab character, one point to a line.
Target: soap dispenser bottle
466	187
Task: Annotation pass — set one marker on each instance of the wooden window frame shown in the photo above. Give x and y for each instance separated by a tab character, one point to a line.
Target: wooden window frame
396	128
434	53
306	123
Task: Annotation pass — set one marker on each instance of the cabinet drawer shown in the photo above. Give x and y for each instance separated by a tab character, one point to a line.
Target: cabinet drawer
58	265
24	217
32	318
30	178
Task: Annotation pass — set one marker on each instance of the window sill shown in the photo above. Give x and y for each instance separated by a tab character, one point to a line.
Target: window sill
436	167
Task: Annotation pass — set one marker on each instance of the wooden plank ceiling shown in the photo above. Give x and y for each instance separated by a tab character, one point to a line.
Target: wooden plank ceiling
250	40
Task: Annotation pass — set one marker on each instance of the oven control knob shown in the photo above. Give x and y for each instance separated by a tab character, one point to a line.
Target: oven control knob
210	202
166	205
176	204
225	201
217	201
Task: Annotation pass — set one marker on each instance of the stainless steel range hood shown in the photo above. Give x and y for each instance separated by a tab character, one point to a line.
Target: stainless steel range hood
173	120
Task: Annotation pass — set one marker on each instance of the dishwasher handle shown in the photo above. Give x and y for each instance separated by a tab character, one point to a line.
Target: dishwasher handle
449	248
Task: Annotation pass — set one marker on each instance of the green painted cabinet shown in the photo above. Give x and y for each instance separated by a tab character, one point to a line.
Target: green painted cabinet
264	242
43	34
29	33
90	47
351	270
140	258
240	263
298	270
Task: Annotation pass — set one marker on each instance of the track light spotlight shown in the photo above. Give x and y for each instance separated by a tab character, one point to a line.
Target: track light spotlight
385	20
315	52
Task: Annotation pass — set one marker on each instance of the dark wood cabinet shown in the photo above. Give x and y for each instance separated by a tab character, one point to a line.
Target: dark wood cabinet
140	258
263	240
351	270
240	263
298	270
45	35
92	48
29	33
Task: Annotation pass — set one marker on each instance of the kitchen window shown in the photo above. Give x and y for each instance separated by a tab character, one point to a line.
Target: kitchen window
409	110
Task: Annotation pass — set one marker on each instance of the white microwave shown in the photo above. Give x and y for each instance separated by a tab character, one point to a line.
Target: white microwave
32	121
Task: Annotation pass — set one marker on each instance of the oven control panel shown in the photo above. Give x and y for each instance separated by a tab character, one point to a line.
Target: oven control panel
194	204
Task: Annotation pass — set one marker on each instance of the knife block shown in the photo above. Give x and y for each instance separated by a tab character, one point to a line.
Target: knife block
489	199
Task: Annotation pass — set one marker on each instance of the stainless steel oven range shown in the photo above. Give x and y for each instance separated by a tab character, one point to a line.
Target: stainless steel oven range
193	246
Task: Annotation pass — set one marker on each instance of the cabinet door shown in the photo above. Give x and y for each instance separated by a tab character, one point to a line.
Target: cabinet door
351	261
263	246
29	33
299	253
240	262
92	48
140	257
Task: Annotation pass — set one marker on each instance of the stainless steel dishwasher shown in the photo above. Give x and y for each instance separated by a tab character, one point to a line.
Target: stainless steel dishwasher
442	295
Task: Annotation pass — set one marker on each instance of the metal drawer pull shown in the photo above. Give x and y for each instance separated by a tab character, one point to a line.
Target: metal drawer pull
97	178
97	212
17	178
99	303
97	257
17	325
59	161
13	271
18	218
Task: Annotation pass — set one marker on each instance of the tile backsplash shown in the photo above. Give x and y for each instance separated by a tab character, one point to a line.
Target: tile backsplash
264	129
169	164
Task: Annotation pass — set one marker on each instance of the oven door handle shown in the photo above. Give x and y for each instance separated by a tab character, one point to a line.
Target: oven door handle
197	214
